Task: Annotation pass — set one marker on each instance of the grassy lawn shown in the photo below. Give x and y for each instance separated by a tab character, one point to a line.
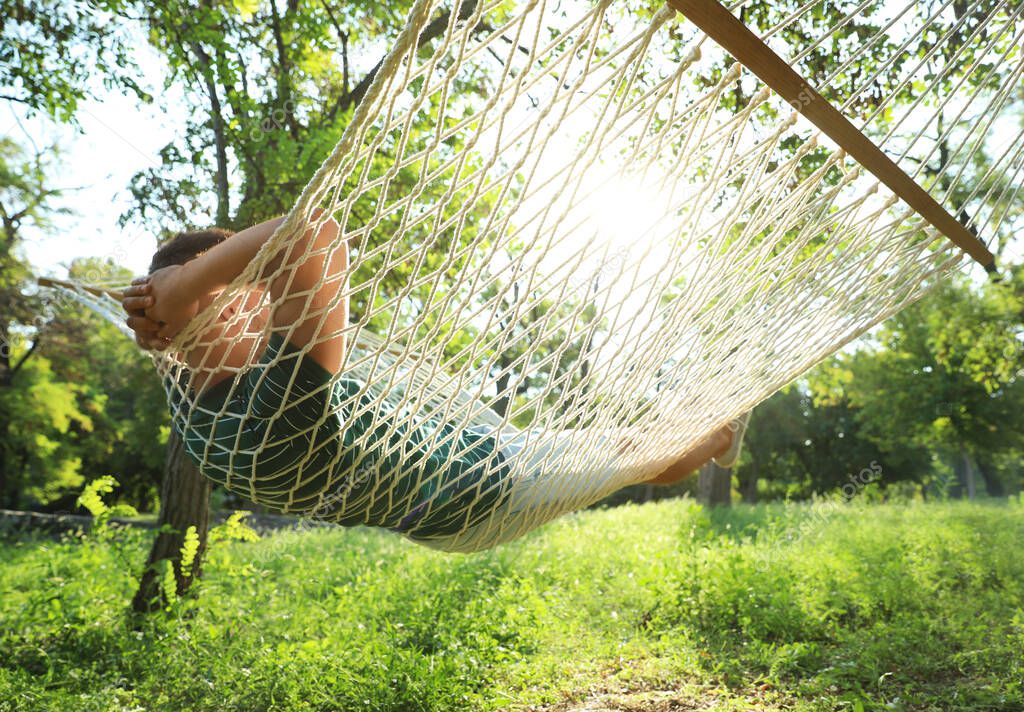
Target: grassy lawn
663	606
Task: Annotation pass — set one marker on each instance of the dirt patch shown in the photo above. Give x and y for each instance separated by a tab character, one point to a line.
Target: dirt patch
691	699
647	701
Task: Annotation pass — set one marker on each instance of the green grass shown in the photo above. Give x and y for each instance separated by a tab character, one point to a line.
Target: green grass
855	607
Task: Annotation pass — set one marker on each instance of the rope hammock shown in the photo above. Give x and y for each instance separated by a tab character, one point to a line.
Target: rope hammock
570	221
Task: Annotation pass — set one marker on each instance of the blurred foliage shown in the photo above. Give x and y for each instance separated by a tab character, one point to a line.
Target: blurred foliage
85	402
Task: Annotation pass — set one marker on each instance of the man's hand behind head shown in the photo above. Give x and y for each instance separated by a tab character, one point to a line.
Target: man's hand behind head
174	302
135	300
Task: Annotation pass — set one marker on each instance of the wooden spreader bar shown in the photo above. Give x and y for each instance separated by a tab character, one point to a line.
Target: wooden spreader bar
749	50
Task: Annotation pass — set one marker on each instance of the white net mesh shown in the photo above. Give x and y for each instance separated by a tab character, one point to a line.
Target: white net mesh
580	242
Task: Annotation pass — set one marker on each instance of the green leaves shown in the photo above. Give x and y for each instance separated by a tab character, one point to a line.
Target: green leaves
246	8
943	376
92	499
233	529
42	411
189	549
51	53
92	496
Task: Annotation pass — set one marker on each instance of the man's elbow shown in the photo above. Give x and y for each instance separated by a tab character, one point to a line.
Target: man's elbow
325	221
318	215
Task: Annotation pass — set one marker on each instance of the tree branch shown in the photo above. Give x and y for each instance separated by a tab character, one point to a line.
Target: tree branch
24	358
284	85
343	36
220	140
18	99
433	30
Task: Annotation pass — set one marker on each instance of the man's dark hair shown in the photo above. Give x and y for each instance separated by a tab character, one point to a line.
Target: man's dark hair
187	246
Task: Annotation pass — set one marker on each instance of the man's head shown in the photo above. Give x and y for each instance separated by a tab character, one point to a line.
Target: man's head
187	246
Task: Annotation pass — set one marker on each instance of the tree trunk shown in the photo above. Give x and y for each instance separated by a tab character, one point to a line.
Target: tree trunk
5	502
993	485
714	486
968	465
184	503
748	485
6	379
223	212
504	400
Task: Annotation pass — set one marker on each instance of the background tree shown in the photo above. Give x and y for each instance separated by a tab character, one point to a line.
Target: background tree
26	200
945	376
52	57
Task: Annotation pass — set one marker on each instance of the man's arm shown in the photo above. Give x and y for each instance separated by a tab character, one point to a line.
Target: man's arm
217	267
304	294
180	287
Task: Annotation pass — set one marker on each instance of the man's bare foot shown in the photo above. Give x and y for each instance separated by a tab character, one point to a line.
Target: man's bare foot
738	427
718	443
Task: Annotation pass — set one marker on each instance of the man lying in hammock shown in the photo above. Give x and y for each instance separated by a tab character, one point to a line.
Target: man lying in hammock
286	430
